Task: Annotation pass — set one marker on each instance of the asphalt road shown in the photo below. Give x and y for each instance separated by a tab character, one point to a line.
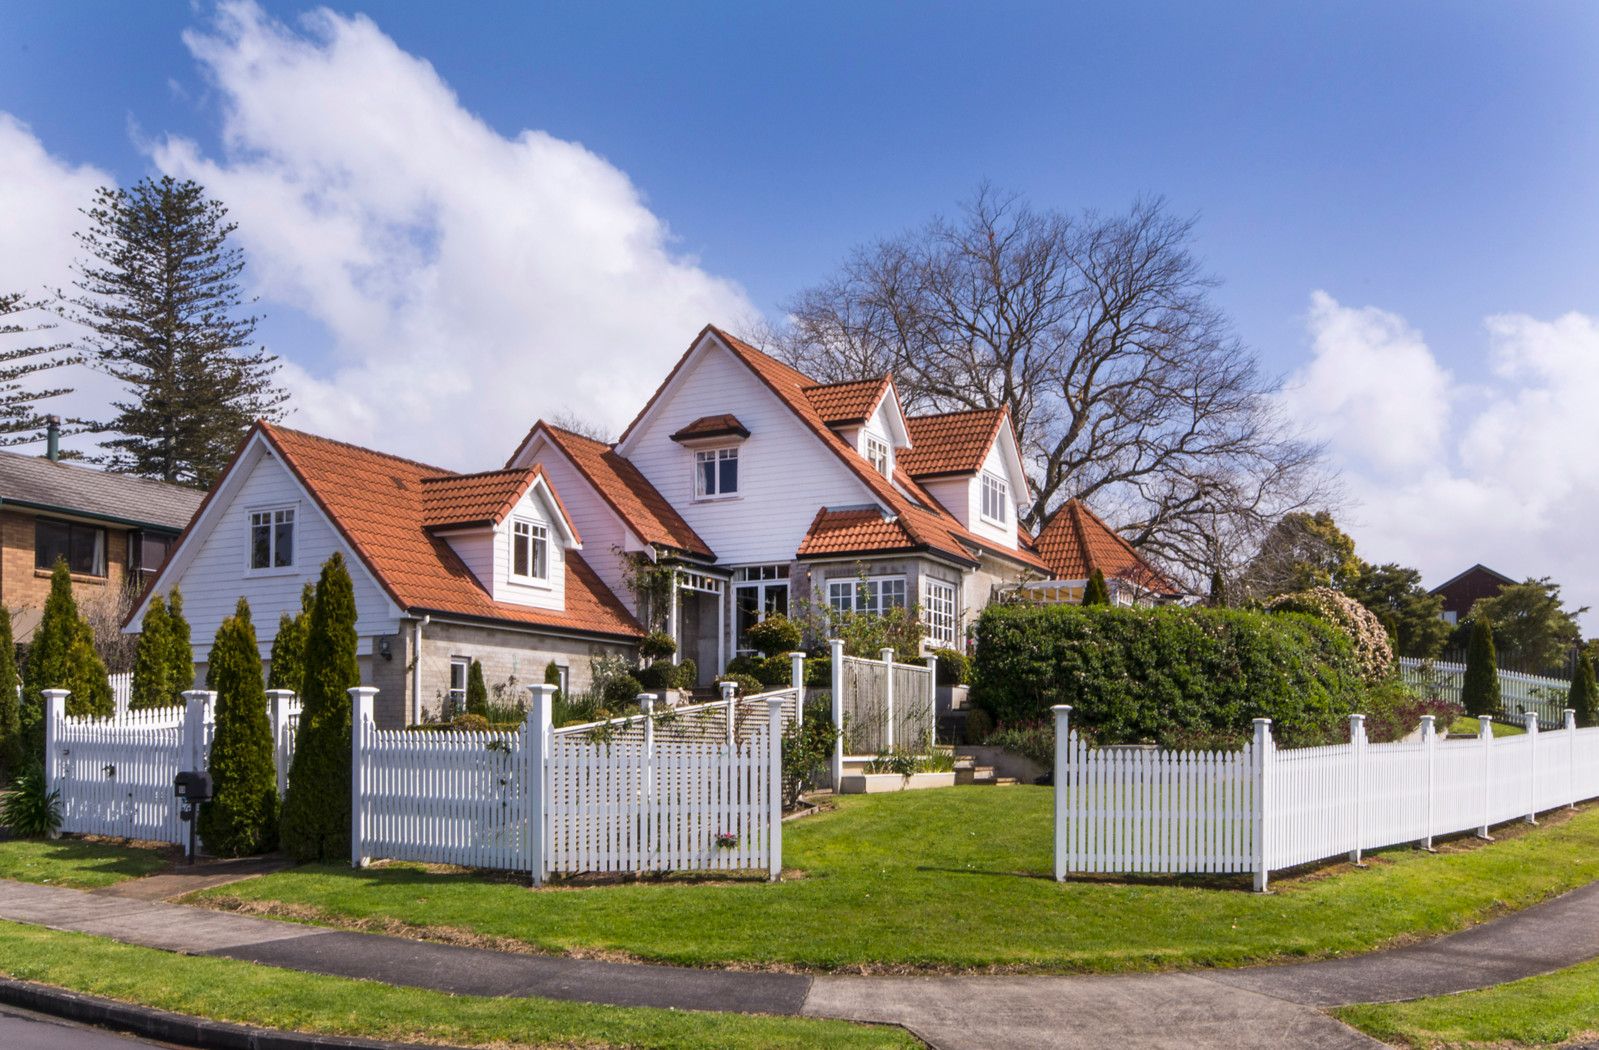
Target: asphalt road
21	1030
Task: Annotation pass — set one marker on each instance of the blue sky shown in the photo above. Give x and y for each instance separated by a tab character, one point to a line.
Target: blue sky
1429	167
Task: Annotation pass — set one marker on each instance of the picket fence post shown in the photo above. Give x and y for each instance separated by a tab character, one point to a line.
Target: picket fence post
835	648
932	696
798	678
278	704
1264	752
774	759
728	689
888	694
1357	744
536	754
1571	757
1429	739
1063	714
646	705
360	720
1485	734
1530	720
55	709
195	703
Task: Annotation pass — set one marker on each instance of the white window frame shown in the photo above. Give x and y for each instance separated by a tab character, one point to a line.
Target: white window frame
997	489
941	611
537	535
276	515
879	455
455	699
718	455
874	585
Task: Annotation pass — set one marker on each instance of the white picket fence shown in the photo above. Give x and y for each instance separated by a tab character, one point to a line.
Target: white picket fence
121	690
605	797
883	706
1258	810
1518	693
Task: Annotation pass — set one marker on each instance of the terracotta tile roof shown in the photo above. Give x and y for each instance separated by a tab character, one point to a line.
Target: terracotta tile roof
377	502
840	404
853	531
712	426
951	442
628	492
474	499
927	524
1076	541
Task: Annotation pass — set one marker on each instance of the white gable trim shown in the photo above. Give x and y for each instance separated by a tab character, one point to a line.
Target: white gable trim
531	452
555	511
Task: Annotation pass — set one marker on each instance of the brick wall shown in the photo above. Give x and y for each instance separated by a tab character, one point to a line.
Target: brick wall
24	588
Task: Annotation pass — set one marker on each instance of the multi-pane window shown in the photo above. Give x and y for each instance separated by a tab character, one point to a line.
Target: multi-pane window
81	546
147	552
877	454
759	591
272	538
996	499
938	611
716	473
877	594
530	550
460	668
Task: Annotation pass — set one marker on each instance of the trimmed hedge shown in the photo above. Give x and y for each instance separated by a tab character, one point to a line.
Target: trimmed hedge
1179	677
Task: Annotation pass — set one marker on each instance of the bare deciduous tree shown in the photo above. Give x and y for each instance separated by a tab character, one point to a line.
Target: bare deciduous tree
1127	385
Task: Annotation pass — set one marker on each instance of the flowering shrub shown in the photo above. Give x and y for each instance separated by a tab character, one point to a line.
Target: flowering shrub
1373	651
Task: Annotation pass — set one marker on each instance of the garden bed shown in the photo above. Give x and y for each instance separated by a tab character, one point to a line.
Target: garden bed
880	783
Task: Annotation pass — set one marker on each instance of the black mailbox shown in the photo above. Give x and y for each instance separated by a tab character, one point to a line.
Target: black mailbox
193	786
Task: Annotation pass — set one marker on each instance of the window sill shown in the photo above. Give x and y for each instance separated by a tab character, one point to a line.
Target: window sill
986	520
282	570
730	497
532	583
77	577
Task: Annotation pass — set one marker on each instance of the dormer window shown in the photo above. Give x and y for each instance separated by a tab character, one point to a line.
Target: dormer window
996	499
715	473
878	455
530	550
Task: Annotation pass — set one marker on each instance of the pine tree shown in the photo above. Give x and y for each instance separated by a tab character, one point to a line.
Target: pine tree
1096	593
1584	696
316	813
477	691
180	653
288	648
12	755
242	816
159	293
152	686
1480	690
20	419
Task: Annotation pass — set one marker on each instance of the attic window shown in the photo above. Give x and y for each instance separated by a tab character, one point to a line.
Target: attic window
716	473
996	499
272	539
878	455
530	550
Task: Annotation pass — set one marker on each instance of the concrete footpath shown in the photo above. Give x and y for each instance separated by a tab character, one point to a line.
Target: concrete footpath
1268	1006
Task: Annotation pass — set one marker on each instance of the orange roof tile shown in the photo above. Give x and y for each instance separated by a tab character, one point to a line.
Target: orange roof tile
628	492
853	531
712	426
840	404
1076	541
951	442
473	499
378	504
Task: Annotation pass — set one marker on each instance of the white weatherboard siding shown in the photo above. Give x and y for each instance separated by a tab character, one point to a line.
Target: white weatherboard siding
785	472
954	495
217	576
996	464
604	536
550	593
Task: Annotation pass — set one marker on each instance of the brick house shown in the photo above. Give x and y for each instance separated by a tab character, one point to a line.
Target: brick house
114	531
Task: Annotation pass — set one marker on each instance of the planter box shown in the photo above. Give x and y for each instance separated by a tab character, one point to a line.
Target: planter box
878	783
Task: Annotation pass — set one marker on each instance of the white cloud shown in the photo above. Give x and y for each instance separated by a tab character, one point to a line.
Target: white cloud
471	282
1448	473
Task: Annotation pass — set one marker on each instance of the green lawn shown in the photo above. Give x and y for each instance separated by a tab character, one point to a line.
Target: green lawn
1554	1008
955	878
76	863
266	996
1466	724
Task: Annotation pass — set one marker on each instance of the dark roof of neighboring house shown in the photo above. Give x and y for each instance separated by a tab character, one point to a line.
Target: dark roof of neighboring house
41	484
1076	541
1476	570
950	443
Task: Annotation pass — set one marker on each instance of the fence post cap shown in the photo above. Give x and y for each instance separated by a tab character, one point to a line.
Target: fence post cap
798	654
727	688
363	690
280	694
1061	709
191	695
1357	718
887	653
1262	722
646	702
1530	720
774	704
543	689
835	644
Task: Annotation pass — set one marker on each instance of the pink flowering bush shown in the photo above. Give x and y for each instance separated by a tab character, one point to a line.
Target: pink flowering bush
1373	651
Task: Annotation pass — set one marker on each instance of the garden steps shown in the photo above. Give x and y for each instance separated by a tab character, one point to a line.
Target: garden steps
969	772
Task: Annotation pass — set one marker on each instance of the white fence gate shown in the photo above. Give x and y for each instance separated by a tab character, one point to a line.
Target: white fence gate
1260	809
1518	693
698	788
881	706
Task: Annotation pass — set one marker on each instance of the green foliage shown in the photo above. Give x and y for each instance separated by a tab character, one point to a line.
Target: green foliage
242	816
1303	551
477	691
688	674
819	671
776	635
1479	691
1365	632
552	676
867	634
1393	710
621	690
747	685
316	813
1168	675
650	581
30	809
1531	624
657	645
1033	740
86	675
13	755
657	676
150	685
1096	593
287	670
977	727
180	654
1218	591
954	667
1584	695
1413	615
807	753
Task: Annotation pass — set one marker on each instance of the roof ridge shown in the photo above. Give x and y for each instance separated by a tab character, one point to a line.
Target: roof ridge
479	474
956	412
277	428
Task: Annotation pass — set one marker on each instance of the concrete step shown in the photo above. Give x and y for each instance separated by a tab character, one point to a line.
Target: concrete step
974	774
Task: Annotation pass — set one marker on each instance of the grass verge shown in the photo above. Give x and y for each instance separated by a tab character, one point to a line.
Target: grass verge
1466	725
954	879
245	993
1538	1011
83	864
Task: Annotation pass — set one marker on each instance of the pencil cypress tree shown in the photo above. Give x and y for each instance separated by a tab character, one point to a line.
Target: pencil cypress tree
1584	696
180	654
242	816
288	648
1096	593
316	813
152	686
12	755
62	656
1480	690
477	691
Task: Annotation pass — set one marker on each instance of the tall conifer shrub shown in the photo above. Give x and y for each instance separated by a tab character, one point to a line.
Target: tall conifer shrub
12	754
1480	690
152	685
242	816
1584	697
1096	593
288	648
477	691
179	654
62	656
